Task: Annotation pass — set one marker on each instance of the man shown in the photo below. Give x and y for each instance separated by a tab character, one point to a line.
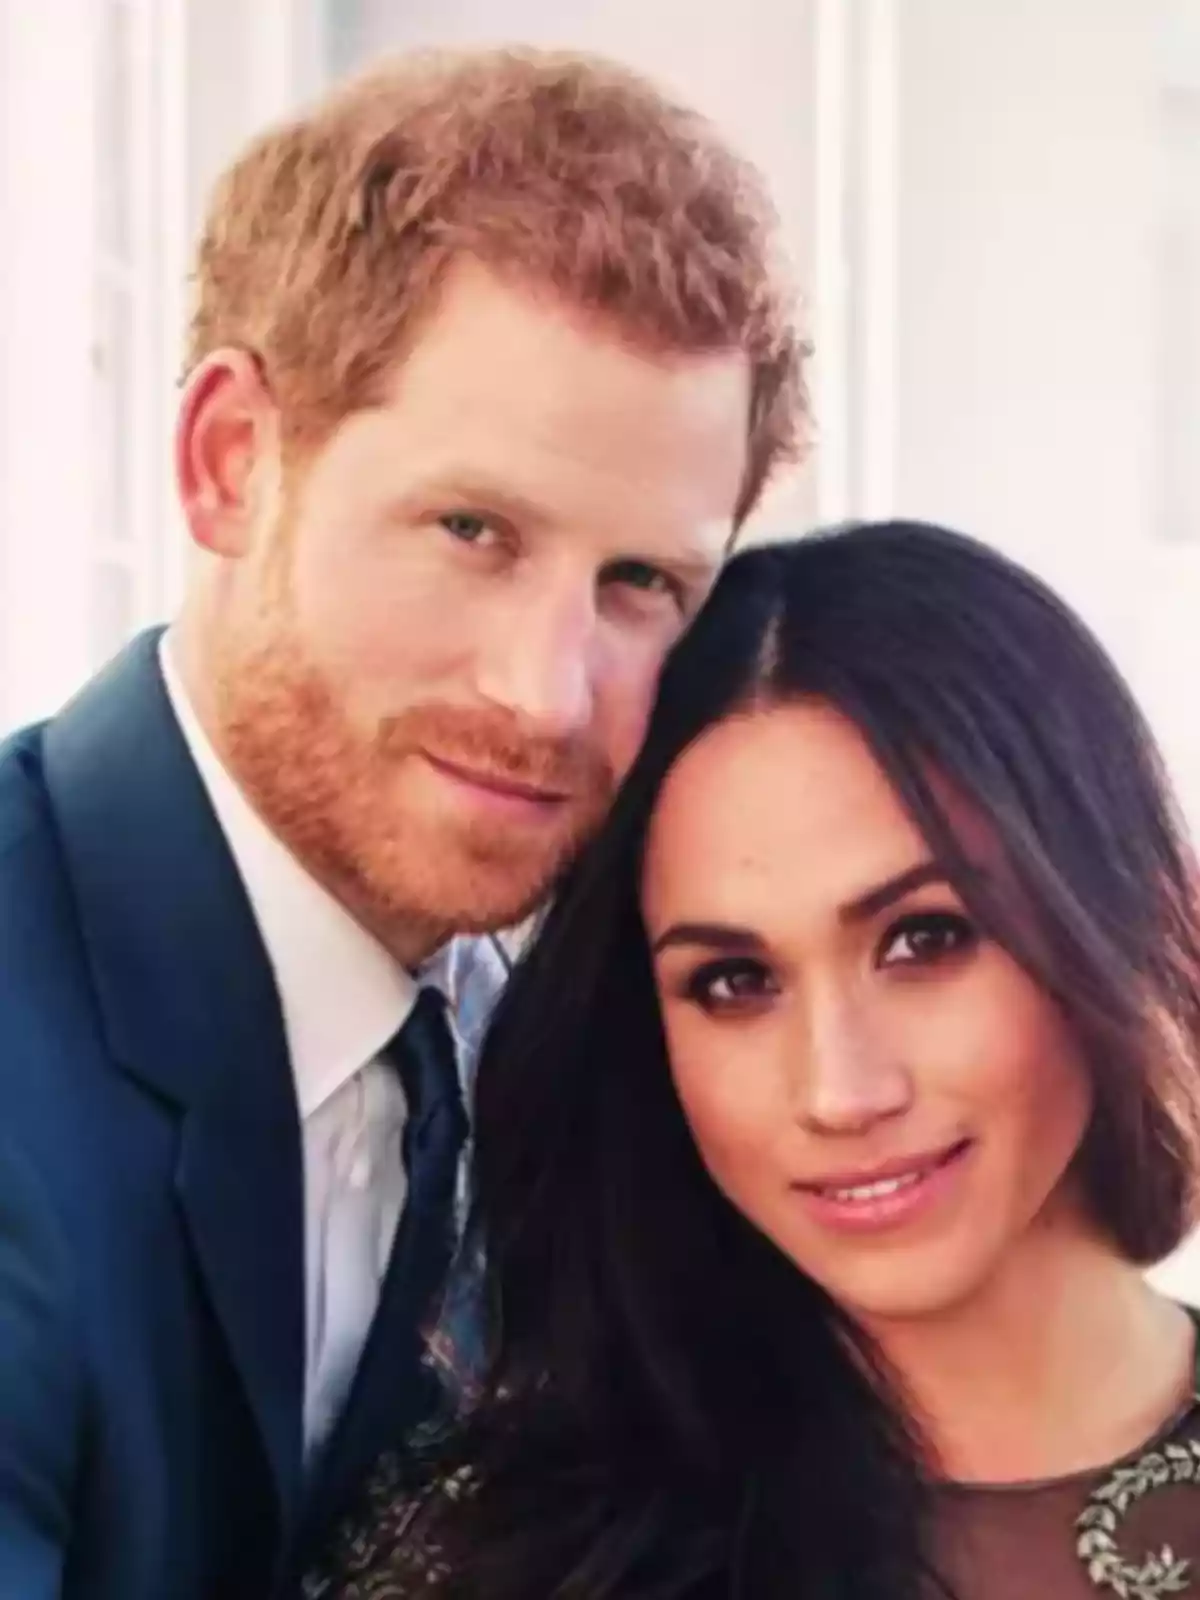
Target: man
487	365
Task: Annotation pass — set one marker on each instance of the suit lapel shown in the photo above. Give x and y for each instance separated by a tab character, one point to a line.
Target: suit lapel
191	1011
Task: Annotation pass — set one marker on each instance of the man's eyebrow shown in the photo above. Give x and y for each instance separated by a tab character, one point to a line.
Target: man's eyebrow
463	492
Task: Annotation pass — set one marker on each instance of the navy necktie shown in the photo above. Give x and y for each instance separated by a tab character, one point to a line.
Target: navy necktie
434	1132
396	1389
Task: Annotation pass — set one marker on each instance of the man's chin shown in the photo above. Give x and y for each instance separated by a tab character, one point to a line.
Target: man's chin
462	891
479	908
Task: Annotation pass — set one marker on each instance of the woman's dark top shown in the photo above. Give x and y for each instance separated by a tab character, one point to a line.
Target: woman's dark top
1128	1531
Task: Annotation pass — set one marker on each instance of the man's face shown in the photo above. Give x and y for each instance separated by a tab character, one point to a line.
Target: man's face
435	655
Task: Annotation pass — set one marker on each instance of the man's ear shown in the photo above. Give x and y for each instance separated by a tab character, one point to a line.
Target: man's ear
227	450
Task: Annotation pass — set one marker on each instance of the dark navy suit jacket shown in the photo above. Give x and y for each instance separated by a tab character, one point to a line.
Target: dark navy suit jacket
151	1196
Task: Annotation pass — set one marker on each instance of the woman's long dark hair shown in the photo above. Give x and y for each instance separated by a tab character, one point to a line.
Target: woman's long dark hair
670	1407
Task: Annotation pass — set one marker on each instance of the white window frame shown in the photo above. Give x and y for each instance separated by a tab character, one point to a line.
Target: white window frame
1179	267
129	538
854	290
58	544
47	198
206	74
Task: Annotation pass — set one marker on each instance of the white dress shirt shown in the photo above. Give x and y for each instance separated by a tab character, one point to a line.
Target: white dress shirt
343	998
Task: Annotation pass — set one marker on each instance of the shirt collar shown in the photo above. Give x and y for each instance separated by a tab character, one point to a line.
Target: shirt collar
343	996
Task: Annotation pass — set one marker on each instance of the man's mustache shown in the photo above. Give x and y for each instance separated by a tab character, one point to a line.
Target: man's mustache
493	744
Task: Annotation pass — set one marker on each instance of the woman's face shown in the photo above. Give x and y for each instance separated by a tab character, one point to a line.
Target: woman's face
875	1085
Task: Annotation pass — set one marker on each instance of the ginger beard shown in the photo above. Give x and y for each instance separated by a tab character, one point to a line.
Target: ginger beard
356	802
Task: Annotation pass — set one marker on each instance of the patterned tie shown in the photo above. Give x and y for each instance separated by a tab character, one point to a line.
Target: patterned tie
436	1126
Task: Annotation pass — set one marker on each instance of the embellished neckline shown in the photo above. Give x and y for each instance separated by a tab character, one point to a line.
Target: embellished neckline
1185	1409
1188	1409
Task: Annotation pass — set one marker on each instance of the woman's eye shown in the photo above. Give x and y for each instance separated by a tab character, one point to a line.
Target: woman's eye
722	985
465	526
925	937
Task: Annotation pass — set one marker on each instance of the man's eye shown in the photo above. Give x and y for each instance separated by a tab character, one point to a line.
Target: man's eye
645	578
725	985
923	938
468	527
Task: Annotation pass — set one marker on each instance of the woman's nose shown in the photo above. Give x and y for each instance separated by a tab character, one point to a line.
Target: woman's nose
848	1075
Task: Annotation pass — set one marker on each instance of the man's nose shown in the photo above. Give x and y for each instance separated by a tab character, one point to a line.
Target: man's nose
537	660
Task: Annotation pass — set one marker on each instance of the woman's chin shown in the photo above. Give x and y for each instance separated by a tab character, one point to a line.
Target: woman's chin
906	1290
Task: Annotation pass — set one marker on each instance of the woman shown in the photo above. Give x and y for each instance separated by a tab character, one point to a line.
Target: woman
826	1130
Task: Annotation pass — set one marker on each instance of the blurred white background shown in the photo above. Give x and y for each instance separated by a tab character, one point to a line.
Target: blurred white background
994	208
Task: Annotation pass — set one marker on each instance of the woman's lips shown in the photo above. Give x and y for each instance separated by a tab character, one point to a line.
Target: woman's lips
887	1195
